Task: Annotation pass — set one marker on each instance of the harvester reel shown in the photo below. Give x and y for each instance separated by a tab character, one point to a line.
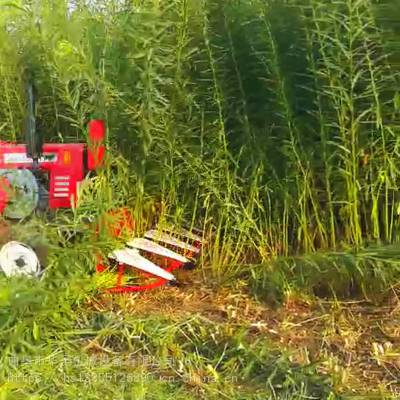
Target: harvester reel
148	262
24	193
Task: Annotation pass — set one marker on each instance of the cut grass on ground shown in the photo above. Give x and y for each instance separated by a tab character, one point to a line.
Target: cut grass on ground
196	342
355	343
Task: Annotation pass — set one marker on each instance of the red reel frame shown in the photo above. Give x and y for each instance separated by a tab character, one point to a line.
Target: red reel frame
122	223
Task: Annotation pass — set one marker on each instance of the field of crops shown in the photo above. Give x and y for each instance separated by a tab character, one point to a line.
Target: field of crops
273	125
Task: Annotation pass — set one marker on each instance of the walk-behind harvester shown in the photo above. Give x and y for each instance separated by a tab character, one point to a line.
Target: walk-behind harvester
38	176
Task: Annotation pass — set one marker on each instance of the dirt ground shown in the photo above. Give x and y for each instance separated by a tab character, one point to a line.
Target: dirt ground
354	342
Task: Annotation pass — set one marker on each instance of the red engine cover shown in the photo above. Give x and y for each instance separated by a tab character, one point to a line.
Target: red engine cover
63	163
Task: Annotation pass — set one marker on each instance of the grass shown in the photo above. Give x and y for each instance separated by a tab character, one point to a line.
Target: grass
63	342
271	125
197	342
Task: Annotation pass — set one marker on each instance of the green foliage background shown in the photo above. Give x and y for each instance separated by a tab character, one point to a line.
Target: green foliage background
278	120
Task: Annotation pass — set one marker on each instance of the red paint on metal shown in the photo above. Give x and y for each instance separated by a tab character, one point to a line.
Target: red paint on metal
96	148
64	163
4	193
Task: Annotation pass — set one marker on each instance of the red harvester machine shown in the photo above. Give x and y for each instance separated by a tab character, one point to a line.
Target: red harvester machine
36	176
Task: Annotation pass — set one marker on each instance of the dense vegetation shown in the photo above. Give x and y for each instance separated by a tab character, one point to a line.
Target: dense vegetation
273	123
278	118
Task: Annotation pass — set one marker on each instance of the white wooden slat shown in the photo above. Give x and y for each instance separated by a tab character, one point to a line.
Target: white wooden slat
168	239
134	259
182	232
155	248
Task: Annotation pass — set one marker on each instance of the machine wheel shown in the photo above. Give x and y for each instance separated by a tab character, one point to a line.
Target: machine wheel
21	191
17	258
